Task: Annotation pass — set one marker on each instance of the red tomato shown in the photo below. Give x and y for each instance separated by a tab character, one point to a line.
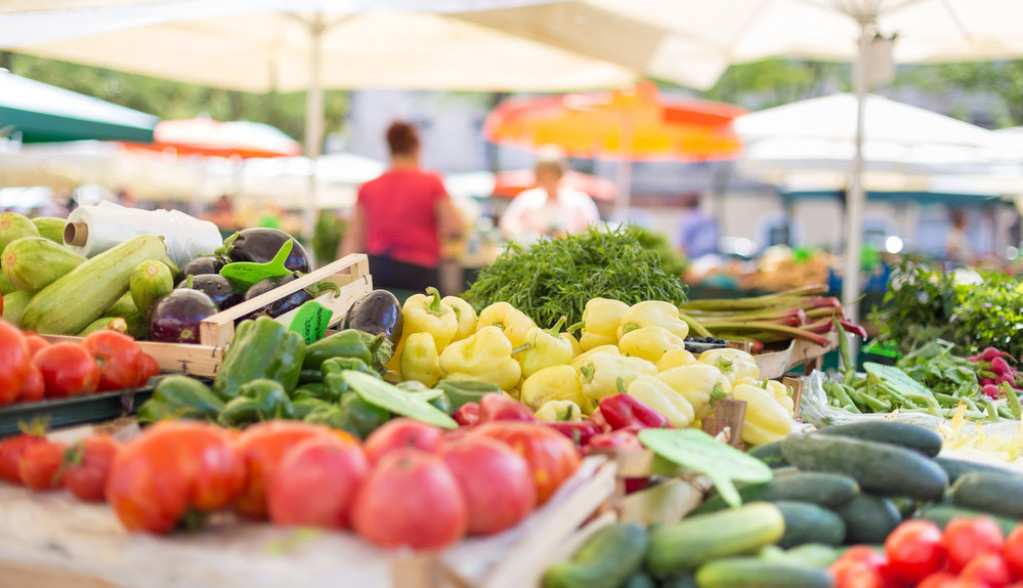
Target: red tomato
965	583
262	447
176	466
411	499
399	433
859	567
1013	549
965	538
552	458
35	343
33	389
495	481
11	450
87	467
937	580
317	481
150	368
68	370
988	568
118	358
914	551
14	362
39	466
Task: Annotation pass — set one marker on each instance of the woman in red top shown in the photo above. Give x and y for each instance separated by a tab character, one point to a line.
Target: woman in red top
401	217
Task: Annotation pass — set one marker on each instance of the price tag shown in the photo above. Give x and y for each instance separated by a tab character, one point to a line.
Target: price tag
248	273
311	321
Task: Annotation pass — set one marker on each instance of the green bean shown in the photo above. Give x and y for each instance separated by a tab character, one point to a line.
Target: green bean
1014	406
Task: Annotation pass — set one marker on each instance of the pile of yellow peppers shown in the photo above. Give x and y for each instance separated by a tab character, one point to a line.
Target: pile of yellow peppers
638	350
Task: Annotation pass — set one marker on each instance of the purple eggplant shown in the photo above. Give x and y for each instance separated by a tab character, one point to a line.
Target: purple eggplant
175	317
260	245
281	305
201	266
375	313
217	287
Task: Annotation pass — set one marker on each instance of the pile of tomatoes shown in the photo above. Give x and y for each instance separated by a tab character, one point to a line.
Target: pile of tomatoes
410	484
969	553
31	368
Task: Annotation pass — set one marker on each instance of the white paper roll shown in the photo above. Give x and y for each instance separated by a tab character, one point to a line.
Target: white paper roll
109	224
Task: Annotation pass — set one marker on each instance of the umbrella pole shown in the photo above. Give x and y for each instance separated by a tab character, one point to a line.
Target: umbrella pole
855	202
314	119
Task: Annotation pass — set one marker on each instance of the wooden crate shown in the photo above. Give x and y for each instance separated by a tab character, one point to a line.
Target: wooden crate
799	353
350	274
50	540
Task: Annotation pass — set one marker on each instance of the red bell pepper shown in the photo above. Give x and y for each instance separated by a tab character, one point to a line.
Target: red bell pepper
599	422
498	407
467	415
620	439
579	433
622	410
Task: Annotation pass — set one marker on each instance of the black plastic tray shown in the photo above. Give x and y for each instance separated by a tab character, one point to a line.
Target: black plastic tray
73	411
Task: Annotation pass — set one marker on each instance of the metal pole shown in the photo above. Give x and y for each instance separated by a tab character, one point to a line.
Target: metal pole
855	202
314	119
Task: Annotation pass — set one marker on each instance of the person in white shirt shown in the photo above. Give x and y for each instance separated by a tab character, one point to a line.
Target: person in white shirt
550	209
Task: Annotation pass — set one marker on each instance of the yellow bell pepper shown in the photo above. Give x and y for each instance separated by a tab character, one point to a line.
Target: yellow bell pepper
465	316
653	313
649	343
394	364
559	382
674	358
664	399
419	359
601	318
699	383
426	313
581	359
780	392
483	357
766	421
545	348
735	364
512	321
601	374
559	410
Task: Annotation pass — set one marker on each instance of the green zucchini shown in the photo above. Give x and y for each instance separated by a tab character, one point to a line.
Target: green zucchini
819	488
149	280
957	467
50	227
753	572
812	554
76	299
15	226
868	519
905	435
941	515
770	453
879	468
606	560
990	492
114	323
14	306
6	287
33	263
686	545
808	523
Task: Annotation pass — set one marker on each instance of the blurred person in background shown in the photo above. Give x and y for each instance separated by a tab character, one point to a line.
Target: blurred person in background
697	233
401	217
957	245
223	215
550	209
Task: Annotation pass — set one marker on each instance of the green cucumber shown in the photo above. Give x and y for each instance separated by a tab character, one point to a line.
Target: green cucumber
33	263
50	227
753	572
76	299
686	545
957	467
868	519
606	560
811	554
905	435
15	226
819	488
990	492
879	468
941	515
808	523
14	306
770	453
149	280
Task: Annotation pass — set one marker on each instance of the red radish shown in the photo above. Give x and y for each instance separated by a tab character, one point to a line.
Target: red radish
1001	367
991	391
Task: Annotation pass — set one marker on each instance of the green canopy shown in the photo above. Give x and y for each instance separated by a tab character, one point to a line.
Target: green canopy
44	113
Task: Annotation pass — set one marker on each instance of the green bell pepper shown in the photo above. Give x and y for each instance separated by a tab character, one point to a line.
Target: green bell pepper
327	414
180	397
306	405
347	343
434	396
361	418
317	390
334	386
258	400
261	348
461	392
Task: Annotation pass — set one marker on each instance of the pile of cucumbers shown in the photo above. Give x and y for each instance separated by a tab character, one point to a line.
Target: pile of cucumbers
844	485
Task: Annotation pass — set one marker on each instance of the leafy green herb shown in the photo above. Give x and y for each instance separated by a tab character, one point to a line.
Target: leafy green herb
557	277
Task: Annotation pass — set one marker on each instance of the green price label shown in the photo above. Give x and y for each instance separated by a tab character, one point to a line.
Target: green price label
311	321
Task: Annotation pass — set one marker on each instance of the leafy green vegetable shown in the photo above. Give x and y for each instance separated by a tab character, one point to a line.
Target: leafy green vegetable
556	277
